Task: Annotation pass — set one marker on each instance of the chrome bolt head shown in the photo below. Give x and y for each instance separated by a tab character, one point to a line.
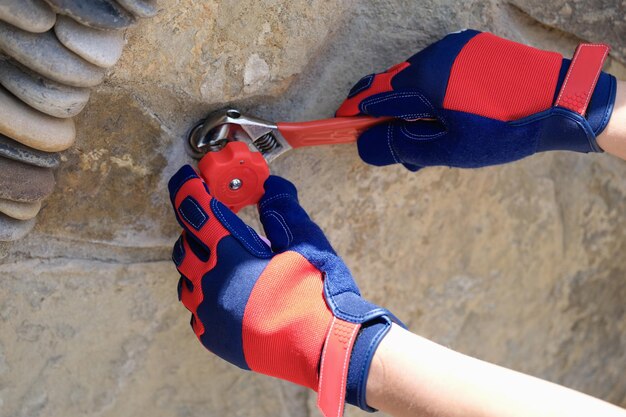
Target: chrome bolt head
235	184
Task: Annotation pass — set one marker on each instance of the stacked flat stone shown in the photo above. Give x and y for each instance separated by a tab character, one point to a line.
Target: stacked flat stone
51	53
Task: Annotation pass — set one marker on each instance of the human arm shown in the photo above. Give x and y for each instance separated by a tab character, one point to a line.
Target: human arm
412	376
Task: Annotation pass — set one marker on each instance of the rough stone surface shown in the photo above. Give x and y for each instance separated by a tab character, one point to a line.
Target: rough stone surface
140	8
32	128
99	14
10	230
18	152
18	210
23	182
598	21
31	15
44	54
45	95
101	48
522	264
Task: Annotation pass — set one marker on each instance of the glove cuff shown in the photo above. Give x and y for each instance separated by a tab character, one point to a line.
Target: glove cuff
600	104
370	336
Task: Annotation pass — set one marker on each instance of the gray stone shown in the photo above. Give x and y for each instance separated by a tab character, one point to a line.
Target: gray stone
4	249
18	152
101	48
12	229
23	182
45	95
33	128
140	8
99	14
600	21
20	210
44	54
31	15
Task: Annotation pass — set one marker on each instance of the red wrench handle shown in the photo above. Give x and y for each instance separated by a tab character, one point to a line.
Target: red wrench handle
327	131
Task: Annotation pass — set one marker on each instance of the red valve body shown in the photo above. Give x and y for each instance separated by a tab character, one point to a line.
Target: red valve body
235	161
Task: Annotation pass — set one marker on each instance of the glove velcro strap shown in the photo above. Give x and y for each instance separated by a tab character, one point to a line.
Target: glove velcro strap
582	77
334	367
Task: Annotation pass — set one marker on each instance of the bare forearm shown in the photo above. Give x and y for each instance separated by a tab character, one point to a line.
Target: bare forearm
613	139
412	376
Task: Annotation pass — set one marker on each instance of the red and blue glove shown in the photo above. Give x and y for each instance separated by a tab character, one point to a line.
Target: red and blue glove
291	311
487	101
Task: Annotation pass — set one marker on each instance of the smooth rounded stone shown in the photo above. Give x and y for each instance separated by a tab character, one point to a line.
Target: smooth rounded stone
18	152
44	54
30	15
140	8
24	183
20	211
12	229
101	48
99	14
45	95
33	128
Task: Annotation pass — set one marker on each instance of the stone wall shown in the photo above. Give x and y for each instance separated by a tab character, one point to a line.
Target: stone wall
522	265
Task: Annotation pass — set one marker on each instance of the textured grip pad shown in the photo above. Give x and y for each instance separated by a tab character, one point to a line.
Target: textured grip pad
582	77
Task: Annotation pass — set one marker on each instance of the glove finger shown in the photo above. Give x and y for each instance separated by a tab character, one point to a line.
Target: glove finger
205	219
389	143
404	104
285	222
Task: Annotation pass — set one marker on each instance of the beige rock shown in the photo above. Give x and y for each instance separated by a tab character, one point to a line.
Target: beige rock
20	210
521	264
101	48
44	54
29	15
32	128
45	95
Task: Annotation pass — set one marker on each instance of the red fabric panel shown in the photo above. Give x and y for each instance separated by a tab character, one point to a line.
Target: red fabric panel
286	321
211	233
501	79
334	367
582	77
380	84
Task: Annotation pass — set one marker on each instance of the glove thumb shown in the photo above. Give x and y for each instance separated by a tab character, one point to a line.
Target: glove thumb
285	222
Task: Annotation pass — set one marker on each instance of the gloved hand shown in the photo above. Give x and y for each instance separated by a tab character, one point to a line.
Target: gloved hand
292	311
489	101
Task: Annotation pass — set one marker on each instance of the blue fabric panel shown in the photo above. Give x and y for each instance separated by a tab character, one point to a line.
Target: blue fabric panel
363	351
376	146
199	248
560	129
361	85
405	104
185	173
179	288
226	292
191	211
244	234
601	104
430	68
178	253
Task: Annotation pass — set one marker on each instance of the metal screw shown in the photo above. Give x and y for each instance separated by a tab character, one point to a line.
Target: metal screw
235	184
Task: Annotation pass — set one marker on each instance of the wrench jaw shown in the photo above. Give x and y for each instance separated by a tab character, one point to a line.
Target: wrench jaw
212	135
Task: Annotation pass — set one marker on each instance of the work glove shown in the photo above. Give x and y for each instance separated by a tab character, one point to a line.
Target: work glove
473	99
291	311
